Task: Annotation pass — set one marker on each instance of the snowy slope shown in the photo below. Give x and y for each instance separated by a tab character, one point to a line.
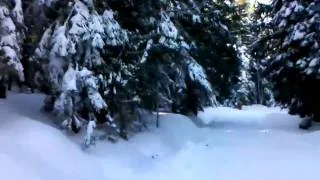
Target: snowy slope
254	143
32	150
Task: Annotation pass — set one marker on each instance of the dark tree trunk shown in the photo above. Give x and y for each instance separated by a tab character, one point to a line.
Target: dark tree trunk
3	90
49	103
74	122
157	106
100	116
259	88
9	82
123	123
174	108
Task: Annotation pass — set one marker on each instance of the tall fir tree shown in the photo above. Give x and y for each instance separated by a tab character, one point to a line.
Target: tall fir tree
294	55
11	38
238	19
102	58
261	26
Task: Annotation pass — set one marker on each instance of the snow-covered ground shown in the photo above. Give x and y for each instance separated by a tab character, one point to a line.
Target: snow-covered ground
253	143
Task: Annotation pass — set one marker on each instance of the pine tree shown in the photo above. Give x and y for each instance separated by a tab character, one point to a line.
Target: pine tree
209	32
254	86
260	26
114	58
72	47
11	38
294	55
236	14
190	23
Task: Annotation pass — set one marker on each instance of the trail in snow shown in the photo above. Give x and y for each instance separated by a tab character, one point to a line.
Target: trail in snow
254	143
250	118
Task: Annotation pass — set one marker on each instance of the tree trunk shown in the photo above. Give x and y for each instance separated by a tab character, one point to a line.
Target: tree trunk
123	123
3	90
9	82
157	106
259	87
74	122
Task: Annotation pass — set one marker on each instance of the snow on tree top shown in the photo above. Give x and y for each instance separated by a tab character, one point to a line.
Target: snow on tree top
17	11
196	18
46	2
96	30
14	61
115	36
42	48
167	28
79	20
9	42
287	10
69	80
84	72
8	38
314	62
296	6
299	32
60	42
108	14
4	12
10	53
95	23
8	25
196	73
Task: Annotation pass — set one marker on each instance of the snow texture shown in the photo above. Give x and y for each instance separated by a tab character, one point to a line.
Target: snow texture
70	80
254	143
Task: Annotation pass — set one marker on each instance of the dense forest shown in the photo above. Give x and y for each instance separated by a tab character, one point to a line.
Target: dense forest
105	62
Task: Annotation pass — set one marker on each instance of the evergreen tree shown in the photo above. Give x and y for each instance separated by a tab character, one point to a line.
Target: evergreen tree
11	38
195	26
72	47
294	55
259	27
243	92
238	20
111	58
254	86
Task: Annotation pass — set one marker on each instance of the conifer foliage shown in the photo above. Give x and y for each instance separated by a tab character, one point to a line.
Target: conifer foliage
260	26
72	48
294	50
102	63
11	38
